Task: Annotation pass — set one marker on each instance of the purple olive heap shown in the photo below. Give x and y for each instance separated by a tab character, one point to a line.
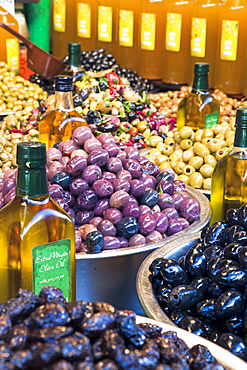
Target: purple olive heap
44	331
115	197
205	292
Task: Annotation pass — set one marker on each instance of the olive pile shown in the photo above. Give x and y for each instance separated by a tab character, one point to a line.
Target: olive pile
45	332
205	292
192	155
16	93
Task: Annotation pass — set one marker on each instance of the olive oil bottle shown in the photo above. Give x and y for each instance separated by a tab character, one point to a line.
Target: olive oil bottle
37	235
229	179
73	65
59	124
199	109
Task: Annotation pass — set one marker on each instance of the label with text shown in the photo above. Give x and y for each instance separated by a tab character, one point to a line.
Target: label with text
148	26
52	266
198	37
105	23
229	40
84	20
173	31
59	15
126	27
211	119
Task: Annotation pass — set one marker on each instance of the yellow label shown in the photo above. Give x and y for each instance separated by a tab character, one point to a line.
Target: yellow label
84	20
229	40
148	26
198	37
13	54
59	15
105	23
126	26
173	31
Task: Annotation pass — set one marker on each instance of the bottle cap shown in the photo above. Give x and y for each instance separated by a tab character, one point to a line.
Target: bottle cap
31	154
201	68
74	48
241	117
63	83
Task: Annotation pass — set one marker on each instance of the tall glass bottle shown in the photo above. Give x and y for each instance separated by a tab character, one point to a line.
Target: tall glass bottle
151	38
204	36
59	124
128	14
86	23
106	26
37	235
73	64
9	44
63	26
176	50
199	109
231	51
229	184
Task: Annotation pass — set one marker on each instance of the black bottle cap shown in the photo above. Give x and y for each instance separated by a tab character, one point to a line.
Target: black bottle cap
63	83
74	48
241	117
31	154
201	68
241	128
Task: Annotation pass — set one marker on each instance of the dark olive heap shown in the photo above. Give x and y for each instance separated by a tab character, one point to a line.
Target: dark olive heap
205	292
46	332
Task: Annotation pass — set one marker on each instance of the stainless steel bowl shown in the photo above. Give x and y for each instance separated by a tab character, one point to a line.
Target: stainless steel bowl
111	275
171	249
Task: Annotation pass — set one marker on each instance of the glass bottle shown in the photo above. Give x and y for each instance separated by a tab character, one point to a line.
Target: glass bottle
9	44
176	50
59	124
73	64
37	235
87	23
106	26
127	30
151	38
199	109
204	36
229	184
231	53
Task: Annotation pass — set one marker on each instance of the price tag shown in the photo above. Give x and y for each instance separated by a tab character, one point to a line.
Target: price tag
198	37
105	23
229	40
84	20
126	27
148	26
173	31
59	15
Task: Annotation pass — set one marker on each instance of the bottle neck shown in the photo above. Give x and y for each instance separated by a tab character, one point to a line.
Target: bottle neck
200	82
74	60
240	140
31	182
63	101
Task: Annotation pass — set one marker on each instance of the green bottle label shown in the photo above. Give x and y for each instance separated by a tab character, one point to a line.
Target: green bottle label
52	266
211	119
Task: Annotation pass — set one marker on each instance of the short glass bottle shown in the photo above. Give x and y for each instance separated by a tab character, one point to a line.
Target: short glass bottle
229	179
59	123
199	109
37	235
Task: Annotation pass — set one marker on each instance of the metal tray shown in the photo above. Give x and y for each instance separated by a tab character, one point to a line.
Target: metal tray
224	357
111	275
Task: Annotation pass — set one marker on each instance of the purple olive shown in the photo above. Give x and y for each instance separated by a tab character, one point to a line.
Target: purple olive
91	174
170	213
111	148
111	242
137	240
155	236
114	165
145	209
174	226
131	210
55	191
96	220
133	167
161	222
54	168
190	209
92	144
123	242
119	199
81	134
87	200
165	201
76	165
165	186
109	176
132	153
125	175
107	228
101	207
137	188
121	184
148	180
178	185
113	215
53	154
82	217
103	188
146	223
98	157
8	185
78	186
106	138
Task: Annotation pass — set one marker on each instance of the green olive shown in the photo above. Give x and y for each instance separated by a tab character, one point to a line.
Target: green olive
206	170
169	141
214	145
177	137
185	132
206	141
196	162
221	153
207	183
200	149
196	180
210	159
187	155
207	132
188	170
184	178
178	168
168	150
186	144
198	135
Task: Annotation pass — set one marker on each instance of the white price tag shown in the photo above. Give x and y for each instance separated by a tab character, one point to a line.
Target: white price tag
8	5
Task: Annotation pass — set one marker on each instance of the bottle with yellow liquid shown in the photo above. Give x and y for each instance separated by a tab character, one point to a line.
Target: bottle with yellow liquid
176	46
86	23
37	235
63	26
9	44
106	26
229	184
199	109
231	53
151	38
204	36
73	65
127	30
59	124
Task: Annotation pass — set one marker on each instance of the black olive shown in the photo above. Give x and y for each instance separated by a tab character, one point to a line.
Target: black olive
95	241
131	116
214	290
184	296
193	325
154	268
231	276
234	325
202	283
196	261
176	315
173	273
242	216
164	175
231	231
63	179
93	114
106	126
150	198
213	251
229	303
240	237
234	344
242	256
127	227
216	263
162	294
216	234
77	100
231	251
206	309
